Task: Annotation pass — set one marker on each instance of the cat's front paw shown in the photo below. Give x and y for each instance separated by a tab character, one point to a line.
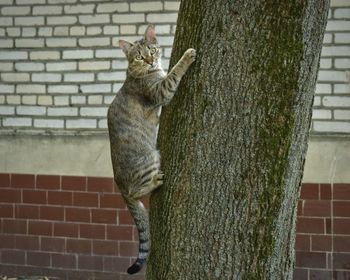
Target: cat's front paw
190	56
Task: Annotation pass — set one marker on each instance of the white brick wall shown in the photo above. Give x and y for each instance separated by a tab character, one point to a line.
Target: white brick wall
60	65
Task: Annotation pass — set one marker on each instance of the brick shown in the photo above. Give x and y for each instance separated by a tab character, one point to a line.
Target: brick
120	64
320	274
341	89
13	257
110	30
61	100
112	76
15	10
49	123
17	122
90	262
66	229
325	192
14	226
320	114
60	198
61	1
128	249
94	65
94	42
323	88
100	184
79	77
77	30
29	100
165	17
38	258
94	30
61	20
342	13
6	43
334	51
61	42
5	180
341	226
44	100
6	211
95	99
79	246
13	55
102	247
34	196
300	274
104	216
111	201
40	228
62	111
160	29
341	191
61	66
129	18
27	242
7	110
310	225
51	213
94	19
45	55
338	127
77	54
116	264
112	8
119	232
142	7
125	218
327	75
61	31
78	215
341	243
338	25
29	21
171	5
341	208
92	231
342	38
66	89
46	77
64	261
45	31
93	111
47	10
28	32
29	66
342	63
30	88
340	3
79	9
27	212
7	241
22	181
15	77
74	183
6	66
109	53
302	242
31	110
6	21
317	208
7	88
311	259
321	243
28	2
102	123
81	123
85	199
341	260
52	244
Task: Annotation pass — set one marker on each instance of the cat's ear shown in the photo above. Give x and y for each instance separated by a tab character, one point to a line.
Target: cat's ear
150	34
125	46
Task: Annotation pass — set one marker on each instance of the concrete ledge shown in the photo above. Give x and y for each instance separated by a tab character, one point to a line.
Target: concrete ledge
328	158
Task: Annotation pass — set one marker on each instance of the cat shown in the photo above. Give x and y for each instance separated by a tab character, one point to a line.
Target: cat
133	118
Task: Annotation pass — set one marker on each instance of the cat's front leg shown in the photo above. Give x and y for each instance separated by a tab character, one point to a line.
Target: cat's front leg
167	87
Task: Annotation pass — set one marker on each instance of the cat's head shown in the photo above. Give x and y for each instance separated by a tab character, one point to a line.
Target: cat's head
143	55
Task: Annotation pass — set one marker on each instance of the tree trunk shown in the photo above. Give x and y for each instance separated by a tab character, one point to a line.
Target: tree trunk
233	140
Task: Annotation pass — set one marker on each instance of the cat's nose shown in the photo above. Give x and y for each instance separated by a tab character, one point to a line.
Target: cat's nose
149	60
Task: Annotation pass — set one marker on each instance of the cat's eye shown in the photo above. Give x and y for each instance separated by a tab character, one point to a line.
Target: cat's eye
138	57
153	50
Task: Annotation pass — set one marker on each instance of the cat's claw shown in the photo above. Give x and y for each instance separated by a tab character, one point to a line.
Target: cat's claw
190	55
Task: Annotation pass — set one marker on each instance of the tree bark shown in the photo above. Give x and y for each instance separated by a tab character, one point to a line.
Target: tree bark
234	138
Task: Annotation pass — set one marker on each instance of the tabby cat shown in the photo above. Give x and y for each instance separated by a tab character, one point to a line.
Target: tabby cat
133	121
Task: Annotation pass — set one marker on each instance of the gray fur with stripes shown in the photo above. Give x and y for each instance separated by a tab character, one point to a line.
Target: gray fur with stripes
133	123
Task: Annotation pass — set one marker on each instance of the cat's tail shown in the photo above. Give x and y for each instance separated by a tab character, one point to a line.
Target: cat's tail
139	213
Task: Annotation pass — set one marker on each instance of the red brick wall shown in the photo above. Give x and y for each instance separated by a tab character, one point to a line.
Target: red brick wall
323	232
79	228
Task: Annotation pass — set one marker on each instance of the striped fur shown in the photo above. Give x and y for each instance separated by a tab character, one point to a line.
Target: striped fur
133	122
